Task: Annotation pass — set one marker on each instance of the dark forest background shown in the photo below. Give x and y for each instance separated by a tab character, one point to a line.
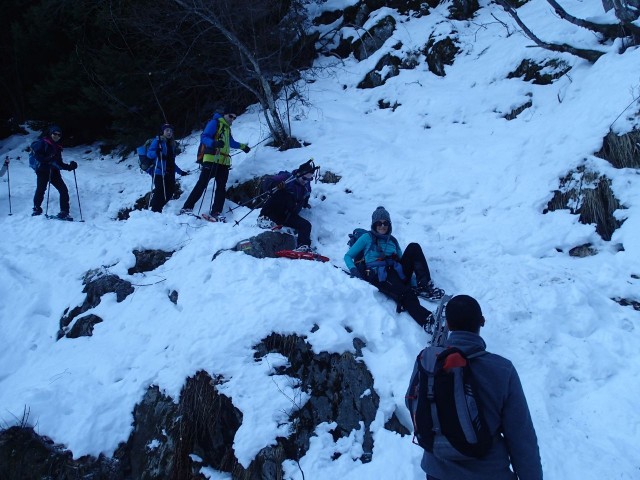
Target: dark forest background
115	70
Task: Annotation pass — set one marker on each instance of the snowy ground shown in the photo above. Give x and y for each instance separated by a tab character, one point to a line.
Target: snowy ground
456	177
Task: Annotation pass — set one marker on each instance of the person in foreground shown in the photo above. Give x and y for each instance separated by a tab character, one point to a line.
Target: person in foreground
390	269
514	451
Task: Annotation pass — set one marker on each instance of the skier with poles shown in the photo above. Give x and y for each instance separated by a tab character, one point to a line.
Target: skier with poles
163	150
213	153
47	162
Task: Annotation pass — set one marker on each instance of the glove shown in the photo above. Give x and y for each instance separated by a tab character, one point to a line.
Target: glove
6	162
281	186
245	148
72	165
355	272
218	144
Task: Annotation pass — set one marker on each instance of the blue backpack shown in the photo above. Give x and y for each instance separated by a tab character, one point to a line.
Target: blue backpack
33	159
144	162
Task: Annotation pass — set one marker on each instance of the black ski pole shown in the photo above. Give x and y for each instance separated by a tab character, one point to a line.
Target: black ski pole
268	193
237	222
206	187
78	195
6	162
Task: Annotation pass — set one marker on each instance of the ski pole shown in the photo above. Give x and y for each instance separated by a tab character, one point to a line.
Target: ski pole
46	213
163	169
268	193
237	222
153	178
78	195
6	162
206	187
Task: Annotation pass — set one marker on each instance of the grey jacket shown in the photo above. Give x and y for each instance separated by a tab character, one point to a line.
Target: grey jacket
507	416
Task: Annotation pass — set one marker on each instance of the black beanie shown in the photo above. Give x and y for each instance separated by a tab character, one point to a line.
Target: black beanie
463	312
54	128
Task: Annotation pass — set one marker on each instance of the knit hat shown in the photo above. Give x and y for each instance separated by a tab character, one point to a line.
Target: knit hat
164	126
229	108
464	313
380	215
54	129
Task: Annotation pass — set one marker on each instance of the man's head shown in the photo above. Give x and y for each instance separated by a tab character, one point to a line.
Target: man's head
229	112
55	132
463	313
166	130
305	171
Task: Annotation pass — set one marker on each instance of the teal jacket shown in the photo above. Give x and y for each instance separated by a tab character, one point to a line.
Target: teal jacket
384	246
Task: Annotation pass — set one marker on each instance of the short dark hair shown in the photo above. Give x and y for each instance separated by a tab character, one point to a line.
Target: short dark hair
463	313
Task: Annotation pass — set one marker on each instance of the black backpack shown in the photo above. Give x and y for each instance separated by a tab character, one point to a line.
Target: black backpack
446	411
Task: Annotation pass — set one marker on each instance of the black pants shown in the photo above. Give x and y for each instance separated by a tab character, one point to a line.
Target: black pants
413	261
279	208
46	175
163	190
210	170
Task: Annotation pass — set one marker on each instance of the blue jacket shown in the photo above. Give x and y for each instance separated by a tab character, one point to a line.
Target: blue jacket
167	162
381	252
218	129
507	416
384	247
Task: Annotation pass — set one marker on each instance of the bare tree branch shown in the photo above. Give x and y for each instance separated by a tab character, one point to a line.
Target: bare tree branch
589	55
615	30
264	94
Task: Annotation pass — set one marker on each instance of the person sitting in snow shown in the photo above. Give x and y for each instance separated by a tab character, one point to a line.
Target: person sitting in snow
391	270
292	195
163	149
48	152
213	153
503	402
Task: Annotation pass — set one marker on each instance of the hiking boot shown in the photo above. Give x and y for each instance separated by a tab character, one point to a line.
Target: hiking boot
303	249
36	211
266	223
64	216
185	211
214	218
429	291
